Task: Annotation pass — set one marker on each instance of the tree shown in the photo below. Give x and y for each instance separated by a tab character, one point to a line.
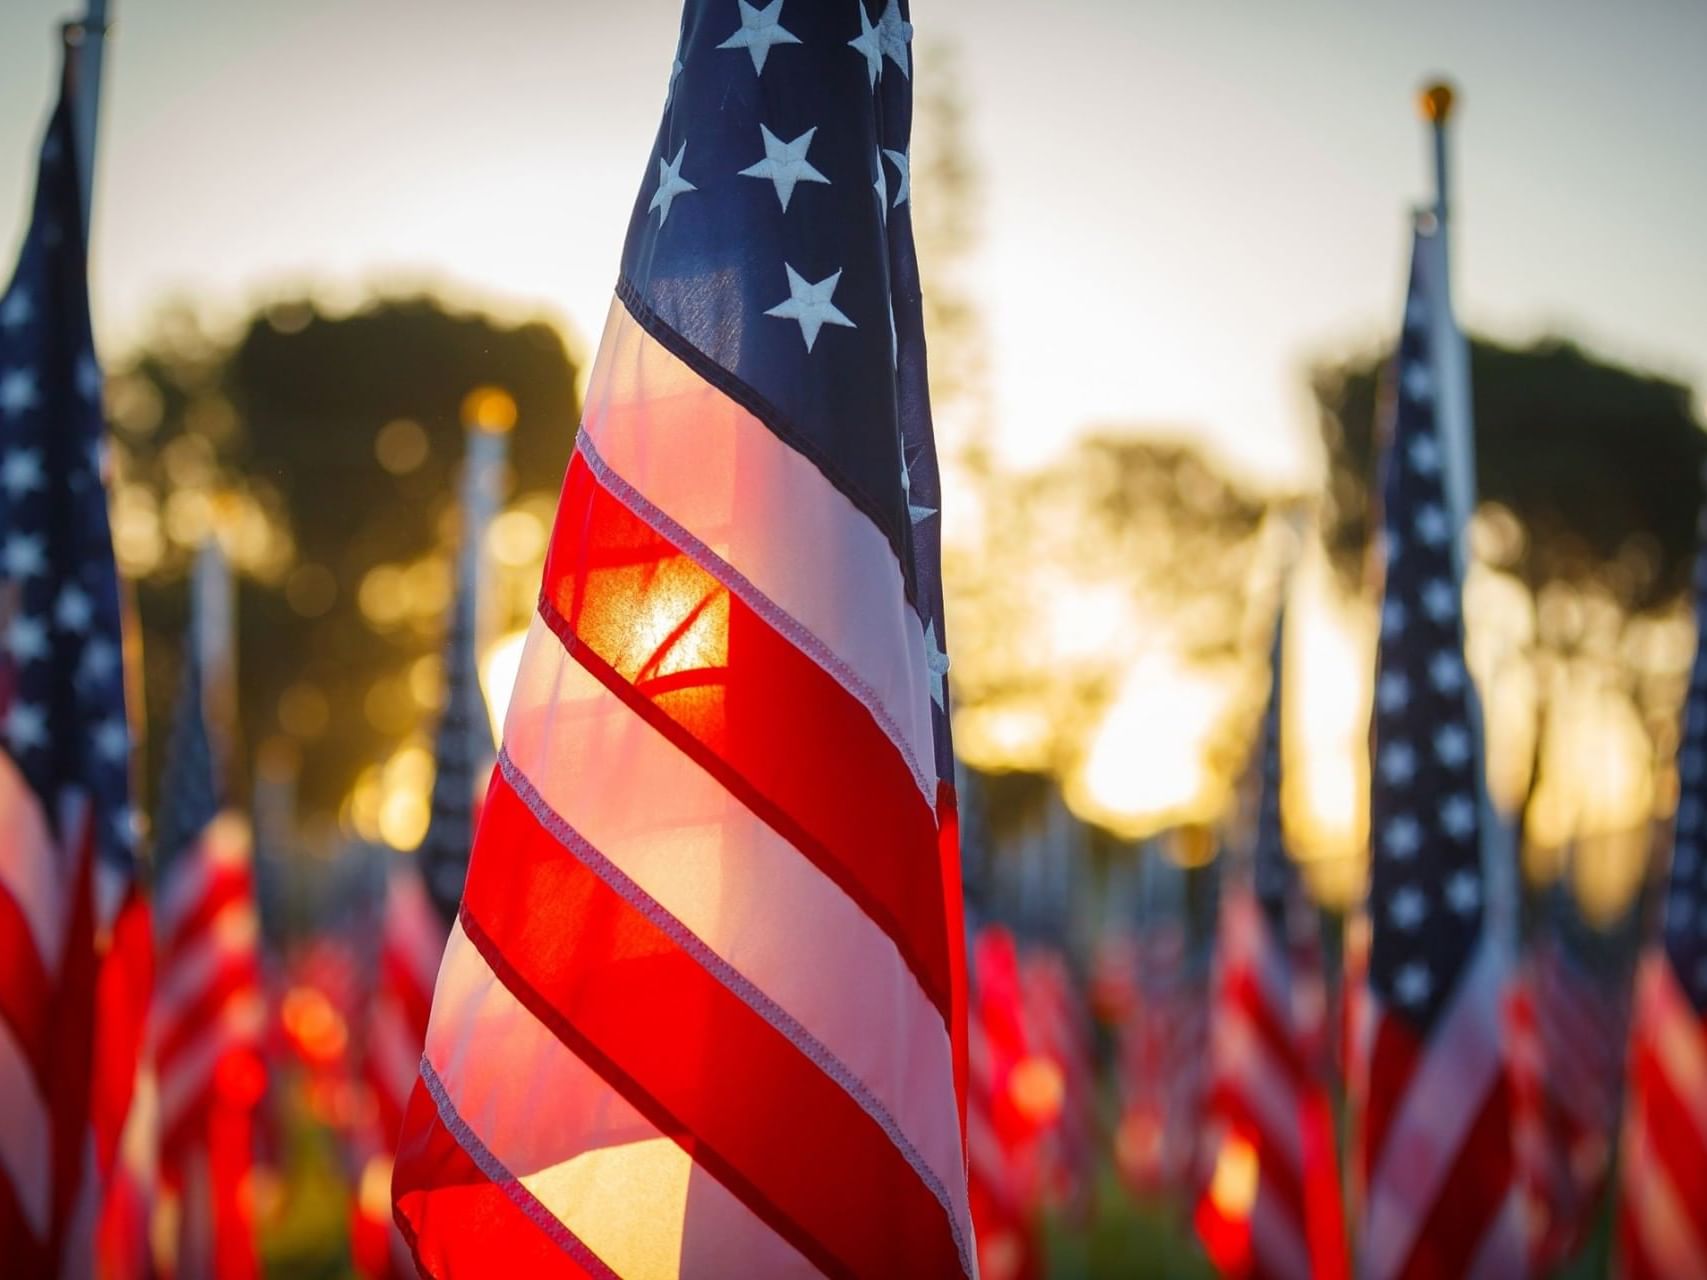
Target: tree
323	450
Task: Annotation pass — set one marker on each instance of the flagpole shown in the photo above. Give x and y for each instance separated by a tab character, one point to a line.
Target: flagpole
86	41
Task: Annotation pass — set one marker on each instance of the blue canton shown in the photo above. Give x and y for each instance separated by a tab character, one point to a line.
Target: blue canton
771	249
62	711
1426	887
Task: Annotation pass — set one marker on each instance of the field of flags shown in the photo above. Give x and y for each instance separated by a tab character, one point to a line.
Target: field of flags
717	962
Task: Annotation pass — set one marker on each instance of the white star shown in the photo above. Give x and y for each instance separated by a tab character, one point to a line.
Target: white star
893	33
1393	692
937	661
1463	892
1408	909
1446	671
785	164
1419	384
18	391
1398	763
127	827
1402	837
1458	817
915	513
88	378
1392	617
903	166
73	611
24	556
99	661
1440	601
1452	745
112	740
810	304
670	184
26	639
760	29
21	473
26	726
1432	525
1412	983
16	311
869	44
1425	455
881	186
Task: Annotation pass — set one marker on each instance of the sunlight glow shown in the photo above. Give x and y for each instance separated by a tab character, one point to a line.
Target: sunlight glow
498	670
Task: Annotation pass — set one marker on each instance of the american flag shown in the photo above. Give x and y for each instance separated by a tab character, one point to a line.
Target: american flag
71	923
705	991
1661	1231
1003	1126
1440	1197
1272	1206
1570	1011
209	1013
421	901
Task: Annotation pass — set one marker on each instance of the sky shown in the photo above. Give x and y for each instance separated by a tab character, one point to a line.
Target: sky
1184	204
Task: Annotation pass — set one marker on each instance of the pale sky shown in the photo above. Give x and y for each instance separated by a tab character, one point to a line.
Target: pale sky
1185	200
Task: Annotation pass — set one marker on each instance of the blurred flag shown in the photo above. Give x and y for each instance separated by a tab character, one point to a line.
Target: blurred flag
421	900
1014	1094
712	915
1272	1204
74	935
1058	1019
1569	1022
1662	1232
1440	1196
209	1013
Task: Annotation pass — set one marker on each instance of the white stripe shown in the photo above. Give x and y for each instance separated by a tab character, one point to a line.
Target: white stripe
26	1140
629	1193
1454	1074
742	890
32	870
763	508
1675	1032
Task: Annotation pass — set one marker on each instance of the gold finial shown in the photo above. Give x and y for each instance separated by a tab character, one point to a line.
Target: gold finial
1436	102
489	409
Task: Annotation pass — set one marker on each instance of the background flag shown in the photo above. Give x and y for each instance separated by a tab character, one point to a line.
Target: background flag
1440	1196
209	1012
1664	1160
73	934
1272	1206
702	1009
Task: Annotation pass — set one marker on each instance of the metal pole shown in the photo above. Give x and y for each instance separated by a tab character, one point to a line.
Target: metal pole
86	42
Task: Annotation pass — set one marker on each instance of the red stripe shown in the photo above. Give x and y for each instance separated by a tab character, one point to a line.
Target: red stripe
1392	1059
26	993
229	884
1470	1197
123	990
455	1220
235	976
776	730
1674	1137
700	1063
